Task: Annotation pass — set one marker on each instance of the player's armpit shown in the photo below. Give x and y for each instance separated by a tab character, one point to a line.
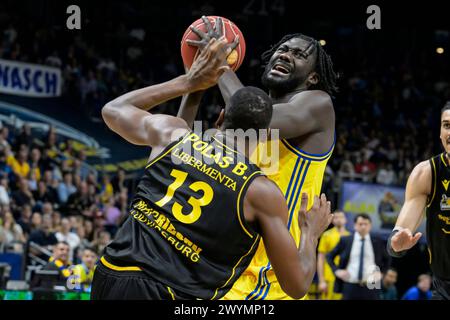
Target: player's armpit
307	112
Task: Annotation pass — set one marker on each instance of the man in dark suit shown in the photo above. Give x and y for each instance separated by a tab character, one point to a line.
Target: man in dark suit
362	260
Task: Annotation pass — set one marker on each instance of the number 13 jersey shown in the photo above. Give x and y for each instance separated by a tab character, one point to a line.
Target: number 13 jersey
186	226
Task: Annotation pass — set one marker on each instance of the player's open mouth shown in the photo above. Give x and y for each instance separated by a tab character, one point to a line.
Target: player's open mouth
280	69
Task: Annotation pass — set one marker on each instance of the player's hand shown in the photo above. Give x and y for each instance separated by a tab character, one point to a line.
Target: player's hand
318	218
342	274
404	240
209	65
215	32
323	287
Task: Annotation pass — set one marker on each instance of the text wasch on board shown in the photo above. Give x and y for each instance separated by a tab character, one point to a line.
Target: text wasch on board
32	80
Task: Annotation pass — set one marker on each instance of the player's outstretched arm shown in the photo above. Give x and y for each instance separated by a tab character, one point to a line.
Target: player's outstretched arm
294	267
418	190
127	115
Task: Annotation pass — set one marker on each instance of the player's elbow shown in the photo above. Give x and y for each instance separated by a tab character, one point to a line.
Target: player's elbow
295	289
109	113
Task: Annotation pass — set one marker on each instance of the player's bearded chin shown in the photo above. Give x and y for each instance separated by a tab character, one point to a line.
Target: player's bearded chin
280	85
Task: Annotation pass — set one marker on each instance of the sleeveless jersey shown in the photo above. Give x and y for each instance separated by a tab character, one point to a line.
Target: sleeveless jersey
438	218
186	227
294	171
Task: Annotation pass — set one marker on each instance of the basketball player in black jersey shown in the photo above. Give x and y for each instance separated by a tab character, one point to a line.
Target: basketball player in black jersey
427	190
194	223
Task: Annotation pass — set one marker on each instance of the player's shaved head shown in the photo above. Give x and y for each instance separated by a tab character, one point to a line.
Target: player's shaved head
249	108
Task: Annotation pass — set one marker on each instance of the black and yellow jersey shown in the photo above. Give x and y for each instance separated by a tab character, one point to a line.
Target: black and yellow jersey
438	217
186	227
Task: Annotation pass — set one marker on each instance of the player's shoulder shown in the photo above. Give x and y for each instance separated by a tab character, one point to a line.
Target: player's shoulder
169	128
263	191
263	186
319	98
422	171
420	179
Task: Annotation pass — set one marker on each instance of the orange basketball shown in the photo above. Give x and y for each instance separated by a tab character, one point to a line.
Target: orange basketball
230	30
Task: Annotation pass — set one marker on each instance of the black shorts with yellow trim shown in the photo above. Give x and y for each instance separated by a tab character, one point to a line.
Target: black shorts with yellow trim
112	282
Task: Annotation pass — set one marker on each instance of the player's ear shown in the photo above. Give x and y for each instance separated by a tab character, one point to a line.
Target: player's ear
313	79
220	119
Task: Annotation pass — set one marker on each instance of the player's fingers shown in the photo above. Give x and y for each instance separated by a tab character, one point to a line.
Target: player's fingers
328	207
416	237
316	204
194	43
209	27
323	200
219	26
198	32
235	42
304	202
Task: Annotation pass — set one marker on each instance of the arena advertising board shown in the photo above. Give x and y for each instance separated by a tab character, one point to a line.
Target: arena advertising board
381	202
31	80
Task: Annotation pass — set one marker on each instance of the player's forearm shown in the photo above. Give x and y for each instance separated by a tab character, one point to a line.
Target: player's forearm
152	96
189	107
410	217
229	83
320	266
307	258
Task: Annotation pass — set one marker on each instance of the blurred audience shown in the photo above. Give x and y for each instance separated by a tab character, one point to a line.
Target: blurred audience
388	288
421	291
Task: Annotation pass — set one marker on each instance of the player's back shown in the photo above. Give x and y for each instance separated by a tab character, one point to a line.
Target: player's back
186	227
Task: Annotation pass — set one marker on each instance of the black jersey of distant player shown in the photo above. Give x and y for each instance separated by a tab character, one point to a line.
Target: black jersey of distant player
438	217
186	226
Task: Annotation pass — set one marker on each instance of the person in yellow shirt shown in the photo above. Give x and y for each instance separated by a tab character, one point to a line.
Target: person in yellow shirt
20	165
328	241
106	189
84	271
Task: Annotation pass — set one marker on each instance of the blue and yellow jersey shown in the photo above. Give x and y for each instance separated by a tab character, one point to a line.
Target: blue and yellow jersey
298	171
84	277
